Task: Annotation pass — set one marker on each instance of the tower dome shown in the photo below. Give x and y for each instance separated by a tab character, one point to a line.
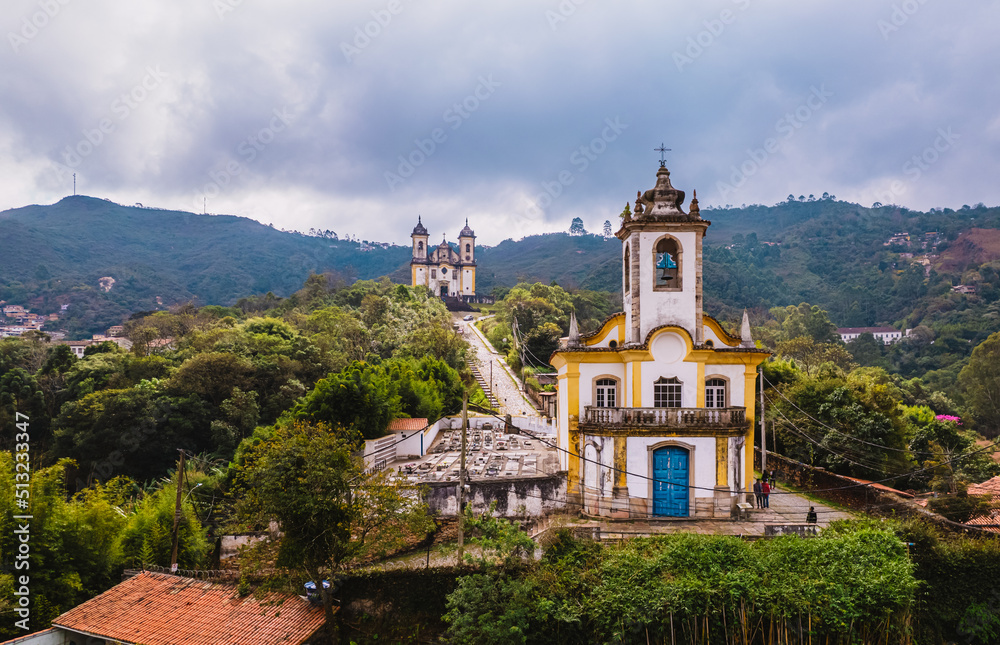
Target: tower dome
466	232
419	228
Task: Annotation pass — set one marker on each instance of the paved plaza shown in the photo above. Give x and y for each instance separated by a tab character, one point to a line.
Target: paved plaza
785	508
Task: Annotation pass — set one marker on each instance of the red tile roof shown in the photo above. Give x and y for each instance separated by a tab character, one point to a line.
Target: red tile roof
881	487
988	487
160	609
407	424
988	522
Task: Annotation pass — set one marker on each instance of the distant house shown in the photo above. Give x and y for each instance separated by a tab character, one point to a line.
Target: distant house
968	289
121	341
887	335
78	346
161	609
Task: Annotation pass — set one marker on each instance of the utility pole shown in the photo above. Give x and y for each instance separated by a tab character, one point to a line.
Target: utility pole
461	480
177	511
763	427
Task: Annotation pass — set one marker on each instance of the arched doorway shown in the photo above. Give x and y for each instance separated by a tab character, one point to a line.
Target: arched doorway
670	486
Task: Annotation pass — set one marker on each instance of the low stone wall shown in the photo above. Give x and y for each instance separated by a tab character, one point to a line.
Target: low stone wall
802	530
524	496
847	492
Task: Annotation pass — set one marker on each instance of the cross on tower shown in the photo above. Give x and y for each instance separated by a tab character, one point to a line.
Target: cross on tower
663	149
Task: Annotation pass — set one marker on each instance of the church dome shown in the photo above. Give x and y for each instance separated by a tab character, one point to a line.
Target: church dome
466	232
419	228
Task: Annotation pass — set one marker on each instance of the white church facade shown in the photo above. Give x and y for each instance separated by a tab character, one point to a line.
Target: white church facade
656	408
449	272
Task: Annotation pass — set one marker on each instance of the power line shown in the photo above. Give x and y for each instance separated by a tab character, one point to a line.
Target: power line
851	437
920	470
869	465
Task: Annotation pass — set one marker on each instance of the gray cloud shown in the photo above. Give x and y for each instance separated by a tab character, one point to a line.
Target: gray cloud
360	86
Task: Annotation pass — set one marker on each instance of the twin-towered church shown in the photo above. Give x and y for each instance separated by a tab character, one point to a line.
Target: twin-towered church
447	272
655	408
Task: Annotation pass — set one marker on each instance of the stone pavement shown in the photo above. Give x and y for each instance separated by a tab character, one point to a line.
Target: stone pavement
785	508
505	386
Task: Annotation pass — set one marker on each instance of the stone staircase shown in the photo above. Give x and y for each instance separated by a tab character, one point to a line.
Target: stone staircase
474	367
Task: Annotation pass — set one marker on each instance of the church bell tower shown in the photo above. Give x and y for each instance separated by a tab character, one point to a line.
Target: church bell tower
662	262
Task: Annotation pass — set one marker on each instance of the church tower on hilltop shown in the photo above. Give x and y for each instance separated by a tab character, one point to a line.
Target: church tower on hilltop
656	408
448	272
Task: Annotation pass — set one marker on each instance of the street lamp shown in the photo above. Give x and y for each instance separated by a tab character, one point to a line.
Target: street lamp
189	493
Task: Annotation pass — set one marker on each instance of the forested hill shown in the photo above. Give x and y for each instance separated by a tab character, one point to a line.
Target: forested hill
825	252
57	254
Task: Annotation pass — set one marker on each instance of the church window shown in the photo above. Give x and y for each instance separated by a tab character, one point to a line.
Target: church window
420	246
434	273
467	257
468	248
667	393
715	393
444	271
667	265
613	344
605	394
627	270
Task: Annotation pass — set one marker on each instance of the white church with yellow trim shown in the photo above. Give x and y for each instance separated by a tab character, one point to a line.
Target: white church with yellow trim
656	408
449	272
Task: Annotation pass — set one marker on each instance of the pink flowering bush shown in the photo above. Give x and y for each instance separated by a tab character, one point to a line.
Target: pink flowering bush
949	417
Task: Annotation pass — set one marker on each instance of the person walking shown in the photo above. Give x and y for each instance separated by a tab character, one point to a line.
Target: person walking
765	491
811	515
757	494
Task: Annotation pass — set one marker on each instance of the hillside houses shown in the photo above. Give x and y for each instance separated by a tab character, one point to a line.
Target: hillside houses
886	335
17	320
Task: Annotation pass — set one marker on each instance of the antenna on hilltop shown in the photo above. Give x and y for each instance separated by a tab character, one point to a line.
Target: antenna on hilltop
74	184
204	206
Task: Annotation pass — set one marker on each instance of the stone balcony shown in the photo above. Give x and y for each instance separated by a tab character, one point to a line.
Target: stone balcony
705	419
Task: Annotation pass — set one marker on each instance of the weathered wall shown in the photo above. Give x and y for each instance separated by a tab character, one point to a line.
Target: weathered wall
531	496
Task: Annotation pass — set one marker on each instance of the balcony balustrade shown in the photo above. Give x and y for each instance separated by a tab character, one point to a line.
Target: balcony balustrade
665	417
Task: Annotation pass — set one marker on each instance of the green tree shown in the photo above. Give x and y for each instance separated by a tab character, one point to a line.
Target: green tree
307	478
147	538
361	397
980	380
75	551
806	320
866	350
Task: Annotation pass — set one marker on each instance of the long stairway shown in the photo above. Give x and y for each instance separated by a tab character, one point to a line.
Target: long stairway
474	366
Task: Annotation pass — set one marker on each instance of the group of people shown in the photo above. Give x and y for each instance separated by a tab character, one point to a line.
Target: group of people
762	490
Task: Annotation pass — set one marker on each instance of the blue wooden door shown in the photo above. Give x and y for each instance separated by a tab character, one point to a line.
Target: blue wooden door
670	488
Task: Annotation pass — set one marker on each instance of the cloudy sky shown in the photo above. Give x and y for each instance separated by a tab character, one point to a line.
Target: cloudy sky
520	115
